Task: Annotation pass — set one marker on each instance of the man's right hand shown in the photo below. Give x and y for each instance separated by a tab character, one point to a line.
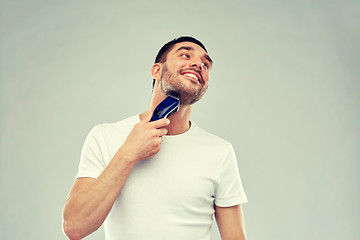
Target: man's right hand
144	140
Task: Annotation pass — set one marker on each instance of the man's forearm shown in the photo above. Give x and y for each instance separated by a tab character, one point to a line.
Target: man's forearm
91	200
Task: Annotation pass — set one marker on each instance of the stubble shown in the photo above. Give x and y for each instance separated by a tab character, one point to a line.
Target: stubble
188	94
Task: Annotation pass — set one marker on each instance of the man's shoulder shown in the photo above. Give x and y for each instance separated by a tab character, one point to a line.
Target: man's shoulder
115	127
210	137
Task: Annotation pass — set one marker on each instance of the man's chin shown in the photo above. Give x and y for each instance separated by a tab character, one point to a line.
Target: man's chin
189	98
188	95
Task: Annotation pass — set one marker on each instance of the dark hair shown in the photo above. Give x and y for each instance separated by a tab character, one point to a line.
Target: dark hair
161	56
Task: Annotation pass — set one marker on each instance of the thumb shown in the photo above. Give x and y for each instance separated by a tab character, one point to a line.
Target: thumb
147	117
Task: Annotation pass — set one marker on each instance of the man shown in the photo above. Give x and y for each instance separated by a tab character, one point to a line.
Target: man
163	179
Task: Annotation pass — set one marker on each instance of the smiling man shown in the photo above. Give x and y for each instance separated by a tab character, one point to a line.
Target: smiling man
163	179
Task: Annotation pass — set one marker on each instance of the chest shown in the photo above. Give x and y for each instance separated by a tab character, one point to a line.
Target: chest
178	177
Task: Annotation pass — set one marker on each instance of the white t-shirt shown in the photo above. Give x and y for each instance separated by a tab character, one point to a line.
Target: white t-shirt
172	194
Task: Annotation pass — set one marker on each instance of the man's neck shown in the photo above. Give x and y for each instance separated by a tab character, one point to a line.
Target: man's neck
179	121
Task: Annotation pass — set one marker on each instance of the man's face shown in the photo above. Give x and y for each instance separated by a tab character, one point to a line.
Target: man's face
186	71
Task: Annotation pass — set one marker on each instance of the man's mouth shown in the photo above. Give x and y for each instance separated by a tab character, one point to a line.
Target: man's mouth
195	77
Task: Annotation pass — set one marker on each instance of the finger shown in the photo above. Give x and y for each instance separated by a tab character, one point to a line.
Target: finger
162	132
160	123
160	139
147	118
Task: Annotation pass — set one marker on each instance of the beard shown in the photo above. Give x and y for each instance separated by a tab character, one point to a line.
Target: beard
188	95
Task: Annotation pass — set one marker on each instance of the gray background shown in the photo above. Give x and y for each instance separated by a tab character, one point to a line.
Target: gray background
284	90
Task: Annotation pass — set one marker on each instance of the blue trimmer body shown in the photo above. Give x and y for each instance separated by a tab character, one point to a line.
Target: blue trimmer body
167	107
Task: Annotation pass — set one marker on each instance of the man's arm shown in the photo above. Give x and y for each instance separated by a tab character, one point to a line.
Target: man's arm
90	200
230	222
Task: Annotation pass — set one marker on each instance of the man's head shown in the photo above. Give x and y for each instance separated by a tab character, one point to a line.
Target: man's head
183	65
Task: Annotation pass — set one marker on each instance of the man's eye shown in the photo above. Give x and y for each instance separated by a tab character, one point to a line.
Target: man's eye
185	55
205	64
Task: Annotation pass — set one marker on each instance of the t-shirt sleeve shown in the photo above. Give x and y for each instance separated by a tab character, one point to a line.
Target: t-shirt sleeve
91	159
229	191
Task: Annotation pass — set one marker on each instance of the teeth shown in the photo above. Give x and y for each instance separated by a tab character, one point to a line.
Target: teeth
192	76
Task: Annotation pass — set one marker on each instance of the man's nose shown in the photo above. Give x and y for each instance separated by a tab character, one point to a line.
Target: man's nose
197	64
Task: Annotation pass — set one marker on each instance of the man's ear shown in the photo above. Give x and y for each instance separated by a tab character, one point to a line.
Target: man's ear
156	71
